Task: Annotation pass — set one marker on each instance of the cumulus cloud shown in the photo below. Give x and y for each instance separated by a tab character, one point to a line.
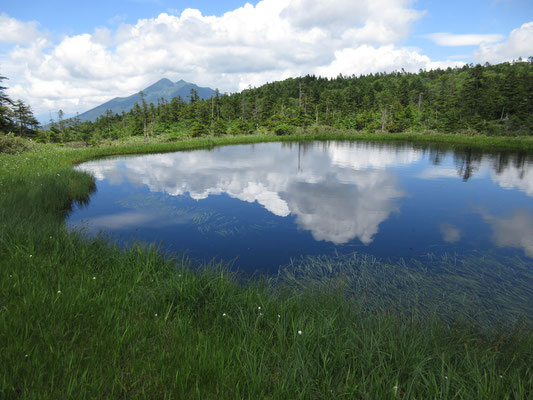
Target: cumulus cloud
378	21
450	39
251	45
14	31
330	197
367	59
518	44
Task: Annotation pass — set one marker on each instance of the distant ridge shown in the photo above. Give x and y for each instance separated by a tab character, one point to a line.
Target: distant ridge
164	88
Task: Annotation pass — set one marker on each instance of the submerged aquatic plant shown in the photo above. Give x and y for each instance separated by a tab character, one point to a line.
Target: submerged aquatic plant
467	288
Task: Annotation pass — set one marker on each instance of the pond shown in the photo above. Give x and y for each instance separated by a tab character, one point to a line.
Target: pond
400	226
262	205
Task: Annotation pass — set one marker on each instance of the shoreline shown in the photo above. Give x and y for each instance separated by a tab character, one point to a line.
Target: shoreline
67	302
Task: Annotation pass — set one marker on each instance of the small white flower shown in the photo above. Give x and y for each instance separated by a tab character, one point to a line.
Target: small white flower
94	277
501	376
279	316
26	356
445	377
59	291
299	332
260	314
155	315
259	308
395	388
31	255
224	314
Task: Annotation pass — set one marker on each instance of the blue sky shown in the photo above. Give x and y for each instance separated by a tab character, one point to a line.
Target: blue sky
75	17
75	55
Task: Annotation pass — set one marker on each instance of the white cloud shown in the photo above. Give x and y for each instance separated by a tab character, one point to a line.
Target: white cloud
518	44
14	31
377	21
367	59
251	45
450	39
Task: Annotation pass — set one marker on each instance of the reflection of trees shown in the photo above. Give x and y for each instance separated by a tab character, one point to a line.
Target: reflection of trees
436	156
509	170
502	160
467	163
513	171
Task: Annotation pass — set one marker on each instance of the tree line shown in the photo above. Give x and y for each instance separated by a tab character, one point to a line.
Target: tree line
488	99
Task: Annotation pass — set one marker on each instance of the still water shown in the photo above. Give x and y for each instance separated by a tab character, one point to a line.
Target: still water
259	206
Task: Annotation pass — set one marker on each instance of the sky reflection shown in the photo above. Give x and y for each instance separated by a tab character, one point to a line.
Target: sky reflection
391	200
344	193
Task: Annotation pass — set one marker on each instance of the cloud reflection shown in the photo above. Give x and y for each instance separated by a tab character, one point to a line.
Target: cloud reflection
513	177
337	191
516	230
450	233
508	171
121	221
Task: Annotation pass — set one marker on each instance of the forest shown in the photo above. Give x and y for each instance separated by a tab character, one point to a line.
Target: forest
492	100
82	316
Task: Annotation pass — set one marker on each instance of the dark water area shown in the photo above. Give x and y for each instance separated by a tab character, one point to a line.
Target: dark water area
262	205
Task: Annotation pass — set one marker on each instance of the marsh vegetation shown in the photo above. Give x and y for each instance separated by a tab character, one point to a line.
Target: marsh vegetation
81	317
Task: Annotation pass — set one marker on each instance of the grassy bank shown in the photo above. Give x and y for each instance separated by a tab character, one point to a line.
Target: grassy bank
82	318
477	142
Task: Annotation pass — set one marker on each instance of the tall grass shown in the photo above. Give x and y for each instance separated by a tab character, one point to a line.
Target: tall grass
82	318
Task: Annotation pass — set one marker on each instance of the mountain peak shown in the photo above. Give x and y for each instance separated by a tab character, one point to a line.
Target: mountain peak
165	81
163	88
161	84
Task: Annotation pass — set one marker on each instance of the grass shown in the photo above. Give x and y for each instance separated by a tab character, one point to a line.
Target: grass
481	142
82	318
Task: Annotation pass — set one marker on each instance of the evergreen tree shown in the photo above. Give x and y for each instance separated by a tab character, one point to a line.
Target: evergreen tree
6	124
23	119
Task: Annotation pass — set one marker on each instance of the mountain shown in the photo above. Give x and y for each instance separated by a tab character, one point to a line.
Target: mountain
164	88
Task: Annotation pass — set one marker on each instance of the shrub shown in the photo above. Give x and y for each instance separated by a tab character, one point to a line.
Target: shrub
199	130
241	127
12	144
284	129
218	128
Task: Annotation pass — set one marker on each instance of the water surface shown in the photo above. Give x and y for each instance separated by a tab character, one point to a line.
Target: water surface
262	205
